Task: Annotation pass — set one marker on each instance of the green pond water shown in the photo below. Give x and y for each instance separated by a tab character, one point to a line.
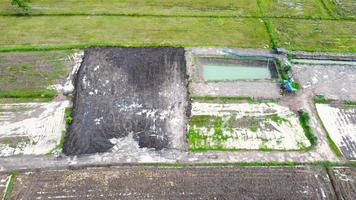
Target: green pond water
235	72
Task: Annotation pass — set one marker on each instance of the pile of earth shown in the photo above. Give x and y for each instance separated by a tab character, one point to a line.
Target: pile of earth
137	92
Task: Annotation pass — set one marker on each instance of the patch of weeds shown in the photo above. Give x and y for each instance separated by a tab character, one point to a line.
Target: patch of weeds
196	139
278	119
233	99
201	120
24	100
351	103
291	56
351	163
301	145
321	99
283	70
10	185
218	130
304	119
68	116
264	147
296	85
28	93
253	129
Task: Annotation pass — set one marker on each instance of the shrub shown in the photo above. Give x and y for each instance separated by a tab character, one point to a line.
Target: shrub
22	4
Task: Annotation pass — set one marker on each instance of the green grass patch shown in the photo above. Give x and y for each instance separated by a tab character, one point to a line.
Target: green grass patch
283	70
24	100
133	31
271	33
294	8
28	93
304	119
296	85
253	129
33	71
321	99
278	119
341	8
10	185
316	35
139	7
68	116
198	141
351	103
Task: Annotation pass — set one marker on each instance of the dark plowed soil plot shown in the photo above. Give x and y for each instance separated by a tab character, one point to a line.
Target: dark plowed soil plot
345	182
139	93
177	183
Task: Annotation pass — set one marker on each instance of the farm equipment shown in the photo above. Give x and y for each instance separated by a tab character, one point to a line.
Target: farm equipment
288	86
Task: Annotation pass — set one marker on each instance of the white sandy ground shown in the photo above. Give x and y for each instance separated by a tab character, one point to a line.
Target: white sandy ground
338	124
129	147
42	127
288	135
333	81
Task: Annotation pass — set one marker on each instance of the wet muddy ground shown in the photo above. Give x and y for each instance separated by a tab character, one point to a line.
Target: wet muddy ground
333	81
129	92
176	183
340	122
345	182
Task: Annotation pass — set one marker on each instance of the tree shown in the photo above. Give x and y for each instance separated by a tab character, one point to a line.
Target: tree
22	4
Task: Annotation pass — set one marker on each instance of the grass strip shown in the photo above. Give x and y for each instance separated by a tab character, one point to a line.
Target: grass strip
153	7
327	9
10	185
271	33
304	119
351	103
222	99
22	93
232	99
321	163
28	93
321	100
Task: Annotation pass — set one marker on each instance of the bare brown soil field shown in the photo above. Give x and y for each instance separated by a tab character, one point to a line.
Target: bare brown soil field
177	183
